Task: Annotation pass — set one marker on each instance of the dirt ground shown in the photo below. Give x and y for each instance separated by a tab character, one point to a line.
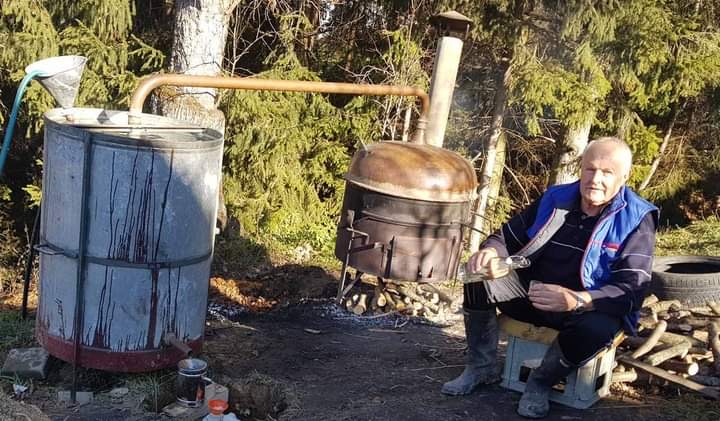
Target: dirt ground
284	349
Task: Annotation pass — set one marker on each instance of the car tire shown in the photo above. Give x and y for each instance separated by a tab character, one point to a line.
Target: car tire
689	279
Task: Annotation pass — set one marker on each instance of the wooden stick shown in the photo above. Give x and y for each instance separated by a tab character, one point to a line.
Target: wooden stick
633	342
628	376
681	367
678	350
683	328
700	312
714	344
674	339
664	305
681	314
659	372
651	341
696	322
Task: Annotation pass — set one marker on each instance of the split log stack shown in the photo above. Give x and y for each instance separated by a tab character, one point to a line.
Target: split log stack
411	298
677	344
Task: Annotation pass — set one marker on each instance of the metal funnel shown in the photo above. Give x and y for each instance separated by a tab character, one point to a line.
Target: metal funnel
60	76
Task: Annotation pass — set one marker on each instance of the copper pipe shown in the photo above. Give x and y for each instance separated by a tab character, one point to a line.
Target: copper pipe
149	83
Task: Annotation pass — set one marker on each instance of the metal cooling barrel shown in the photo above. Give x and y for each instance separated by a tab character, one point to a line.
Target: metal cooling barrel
128	214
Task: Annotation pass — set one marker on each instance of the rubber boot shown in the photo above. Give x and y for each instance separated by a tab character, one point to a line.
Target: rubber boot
481	332
535	400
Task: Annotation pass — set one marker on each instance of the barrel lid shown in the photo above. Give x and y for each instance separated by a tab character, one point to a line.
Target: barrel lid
413	171
154	129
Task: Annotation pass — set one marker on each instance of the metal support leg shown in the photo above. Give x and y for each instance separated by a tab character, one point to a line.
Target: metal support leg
29	263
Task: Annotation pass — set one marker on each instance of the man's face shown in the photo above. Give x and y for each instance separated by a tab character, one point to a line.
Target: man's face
605	168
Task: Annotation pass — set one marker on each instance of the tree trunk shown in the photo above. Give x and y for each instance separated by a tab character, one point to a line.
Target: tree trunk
567	162
663	146
201	28
492	159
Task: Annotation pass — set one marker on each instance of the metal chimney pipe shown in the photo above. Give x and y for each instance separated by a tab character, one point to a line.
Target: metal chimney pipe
149	83
447	62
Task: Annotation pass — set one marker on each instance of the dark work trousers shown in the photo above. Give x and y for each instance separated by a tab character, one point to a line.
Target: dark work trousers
581	335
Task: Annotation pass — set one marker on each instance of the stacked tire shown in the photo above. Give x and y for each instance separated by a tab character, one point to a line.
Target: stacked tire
689	279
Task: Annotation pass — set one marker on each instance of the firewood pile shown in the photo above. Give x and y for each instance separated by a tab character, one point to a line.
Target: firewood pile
677	344
411	298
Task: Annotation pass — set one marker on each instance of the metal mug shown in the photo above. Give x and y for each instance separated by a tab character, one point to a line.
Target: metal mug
191	382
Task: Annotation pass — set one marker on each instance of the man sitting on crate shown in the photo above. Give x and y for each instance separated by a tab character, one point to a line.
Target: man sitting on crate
591	247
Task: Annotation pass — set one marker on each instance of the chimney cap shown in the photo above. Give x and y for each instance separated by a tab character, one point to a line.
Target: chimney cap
451	21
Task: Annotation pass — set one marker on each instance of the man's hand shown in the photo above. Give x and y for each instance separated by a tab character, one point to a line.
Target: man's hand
550	297
487	261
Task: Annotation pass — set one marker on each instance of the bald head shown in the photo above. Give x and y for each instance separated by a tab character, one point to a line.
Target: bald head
606	165
613	146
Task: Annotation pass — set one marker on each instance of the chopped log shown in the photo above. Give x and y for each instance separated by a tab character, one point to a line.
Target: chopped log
700	335
389	301
681	367
379	297
652	340
706	380
703	312
673	378
664	315
681	314
674	339
700	354
443	296
679	350
361	306
650	300
628	376
665	305
683	328
399	304
374	306
408	292
696	322
633	342
714	344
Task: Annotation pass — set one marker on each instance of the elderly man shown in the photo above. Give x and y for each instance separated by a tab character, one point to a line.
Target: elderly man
591	246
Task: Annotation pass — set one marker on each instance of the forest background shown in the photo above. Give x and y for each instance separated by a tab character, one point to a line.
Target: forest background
537	80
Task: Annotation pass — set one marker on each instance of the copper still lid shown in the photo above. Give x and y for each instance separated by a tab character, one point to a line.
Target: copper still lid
413	171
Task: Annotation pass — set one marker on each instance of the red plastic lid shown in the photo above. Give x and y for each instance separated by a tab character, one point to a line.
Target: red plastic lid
217	406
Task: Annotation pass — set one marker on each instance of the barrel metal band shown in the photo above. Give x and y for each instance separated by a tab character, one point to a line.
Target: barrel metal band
51	249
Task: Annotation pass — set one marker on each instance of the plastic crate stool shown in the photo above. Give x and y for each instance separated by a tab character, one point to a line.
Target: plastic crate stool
526	346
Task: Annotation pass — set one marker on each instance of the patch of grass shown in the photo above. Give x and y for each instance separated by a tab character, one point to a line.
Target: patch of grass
14	332
158	388
701	238
689	407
